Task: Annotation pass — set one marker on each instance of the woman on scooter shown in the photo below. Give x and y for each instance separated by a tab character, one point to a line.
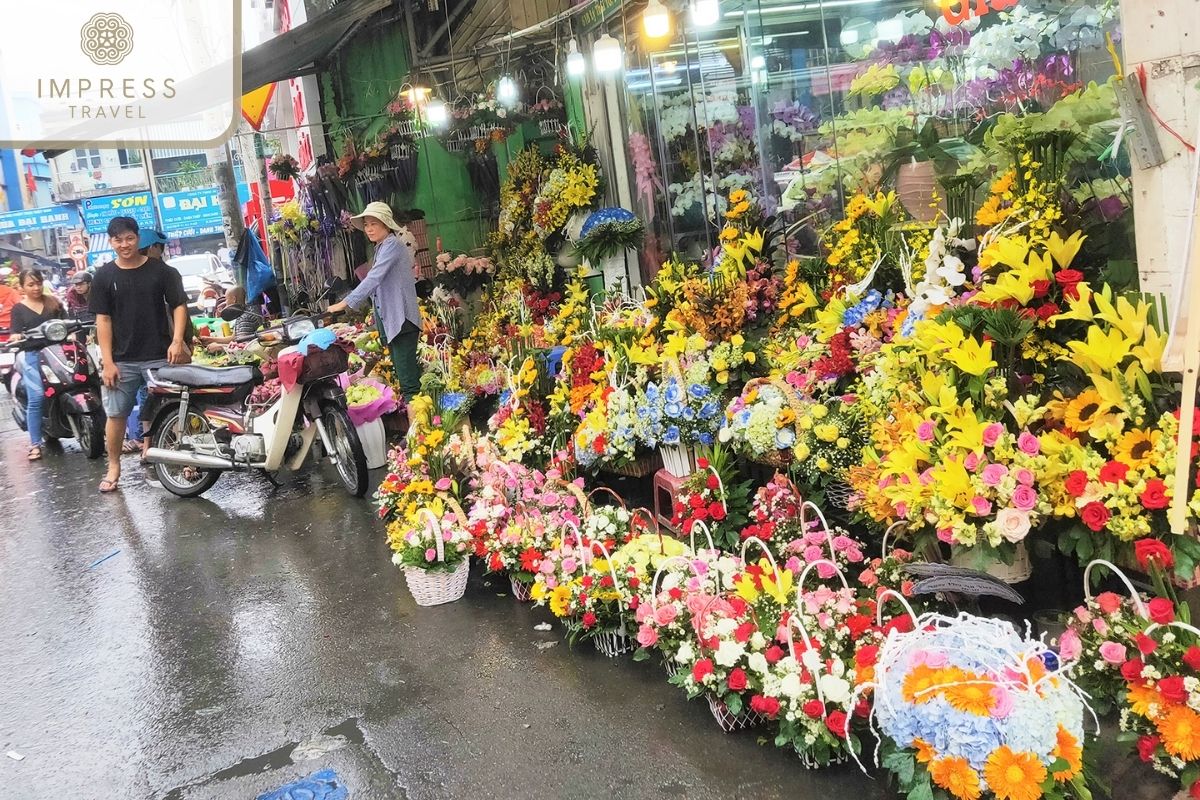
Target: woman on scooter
37	307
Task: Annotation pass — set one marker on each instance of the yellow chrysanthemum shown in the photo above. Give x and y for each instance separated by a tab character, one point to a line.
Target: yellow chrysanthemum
1179	727
955	775
1014	776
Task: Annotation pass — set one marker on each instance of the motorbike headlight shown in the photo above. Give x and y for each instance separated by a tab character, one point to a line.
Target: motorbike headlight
55	331
300	328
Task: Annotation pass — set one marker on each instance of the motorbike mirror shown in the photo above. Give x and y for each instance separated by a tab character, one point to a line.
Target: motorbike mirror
230	313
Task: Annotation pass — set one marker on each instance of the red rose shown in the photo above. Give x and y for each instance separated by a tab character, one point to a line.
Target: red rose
814	709
600	443
1194	792
1113	472
678	508
1146	746
1145	644
712	482
862	709
1131	670
675	594
589	619
696	501
1095	515
716	511
737	680
1109	602
1076	483
774	654
1040	288
701	513
836	722
858	625
743	632
1153	551
900	624
767	706
1155	495
1173	690
701	669
1068	277
1162	610
1192	658
702	463
867	656
586	581
1046	311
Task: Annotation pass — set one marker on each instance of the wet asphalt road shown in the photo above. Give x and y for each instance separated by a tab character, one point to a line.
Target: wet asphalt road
241	641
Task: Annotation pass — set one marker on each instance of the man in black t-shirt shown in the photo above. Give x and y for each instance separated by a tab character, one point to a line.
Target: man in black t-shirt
141	319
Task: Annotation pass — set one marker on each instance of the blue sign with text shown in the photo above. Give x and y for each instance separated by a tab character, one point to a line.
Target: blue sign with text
195	212
99	211
39	219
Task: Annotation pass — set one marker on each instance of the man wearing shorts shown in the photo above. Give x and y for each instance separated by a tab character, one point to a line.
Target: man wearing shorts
141	320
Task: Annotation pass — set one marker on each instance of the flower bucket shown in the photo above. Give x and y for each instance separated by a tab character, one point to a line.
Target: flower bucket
522	590
435	588
1020	570
678	460
730	722
614	643
374	442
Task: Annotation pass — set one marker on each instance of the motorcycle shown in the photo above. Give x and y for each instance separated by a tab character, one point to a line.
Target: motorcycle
72	407
212	297
205	422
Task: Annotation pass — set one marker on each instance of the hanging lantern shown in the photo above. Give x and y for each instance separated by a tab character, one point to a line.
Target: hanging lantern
607	55
576	65
506	91
436	112
705	13
656	20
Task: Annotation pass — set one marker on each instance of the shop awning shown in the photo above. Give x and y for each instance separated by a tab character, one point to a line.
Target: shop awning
290	54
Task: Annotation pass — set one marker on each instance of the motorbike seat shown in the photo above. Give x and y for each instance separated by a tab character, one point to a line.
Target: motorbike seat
208	377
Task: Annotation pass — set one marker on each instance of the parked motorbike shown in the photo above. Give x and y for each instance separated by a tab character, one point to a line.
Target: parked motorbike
72	407
204	423
211	301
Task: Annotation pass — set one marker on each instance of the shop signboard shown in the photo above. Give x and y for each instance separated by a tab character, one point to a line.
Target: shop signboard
98	211
193	212
39	219
594	15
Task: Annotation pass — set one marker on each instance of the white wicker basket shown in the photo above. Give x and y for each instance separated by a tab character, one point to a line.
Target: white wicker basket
522	590
809	762
727	720
614	643
1020	570
434	587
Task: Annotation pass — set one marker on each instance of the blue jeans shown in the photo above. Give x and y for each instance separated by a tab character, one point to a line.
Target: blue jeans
35	391
133	426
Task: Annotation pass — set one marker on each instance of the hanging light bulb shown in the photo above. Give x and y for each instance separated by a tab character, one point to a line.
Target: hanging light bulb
656	20
436	112
607	55
576	65
705	13
506	91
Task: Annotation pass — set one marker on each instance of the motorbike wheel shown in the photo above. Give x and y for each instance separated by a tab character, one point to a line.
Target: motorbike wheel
181	481
91	434
351	460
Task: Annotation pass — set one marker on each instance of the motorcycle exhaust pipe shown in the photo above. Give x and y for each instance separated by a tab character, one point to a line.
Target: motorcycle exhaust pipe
184	458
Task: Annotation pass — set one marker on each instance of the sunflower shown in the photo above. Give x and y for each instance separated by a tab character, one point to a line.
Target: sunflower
1141	697
1179	727
1136	448
955	775
1084	410
973	696
560	600
1068	750
1014	776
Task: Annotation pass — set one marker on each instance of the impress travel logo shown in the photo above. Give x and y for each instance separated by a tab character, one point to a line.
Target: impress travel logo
120	73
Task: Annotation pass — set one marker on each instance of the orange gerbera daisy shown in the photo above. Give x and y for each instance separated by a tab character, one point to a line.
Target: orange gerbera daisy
973	696
925	751
924	677
1068	750
1141	696
1014	776
1179	728
955	775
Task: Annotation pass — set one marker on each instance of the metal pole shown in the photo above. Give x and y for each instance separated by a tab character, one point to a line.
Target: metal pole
231	213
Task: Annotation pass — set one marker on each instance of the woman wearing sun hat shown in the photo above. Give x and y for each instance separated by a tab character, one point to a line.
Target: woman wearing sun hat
392	287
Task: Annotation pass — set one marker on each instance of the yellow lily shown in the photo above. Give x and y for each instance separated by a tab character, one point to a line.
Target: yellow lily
1130	320
1008	286
882	203
936	337
939	392
954	482
1102	351
638	354
1009	250
972	357
965	429
1081	307
1064	251
1109	390
1150	351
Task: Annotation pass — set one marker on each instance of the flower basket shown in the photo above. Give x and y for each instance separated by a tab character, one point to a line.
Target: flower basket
521	589
838	494
809	761
435	588
730	722
678	459
614	643
1020	570
640	467
777	458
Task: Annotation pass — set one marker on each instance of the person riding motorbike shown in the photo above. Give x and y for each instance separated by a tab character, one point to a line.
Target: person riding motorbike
37	307
78	294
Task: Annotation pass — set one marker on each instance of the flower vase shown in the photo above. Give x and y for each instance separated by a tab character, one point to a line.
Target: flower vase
614	271
522	590
1017	572
727	720
614	643
916	183
678	460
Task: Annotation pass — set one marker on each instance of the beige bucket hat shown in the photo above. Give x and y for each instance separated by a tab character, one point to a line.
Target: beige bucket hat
380	211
